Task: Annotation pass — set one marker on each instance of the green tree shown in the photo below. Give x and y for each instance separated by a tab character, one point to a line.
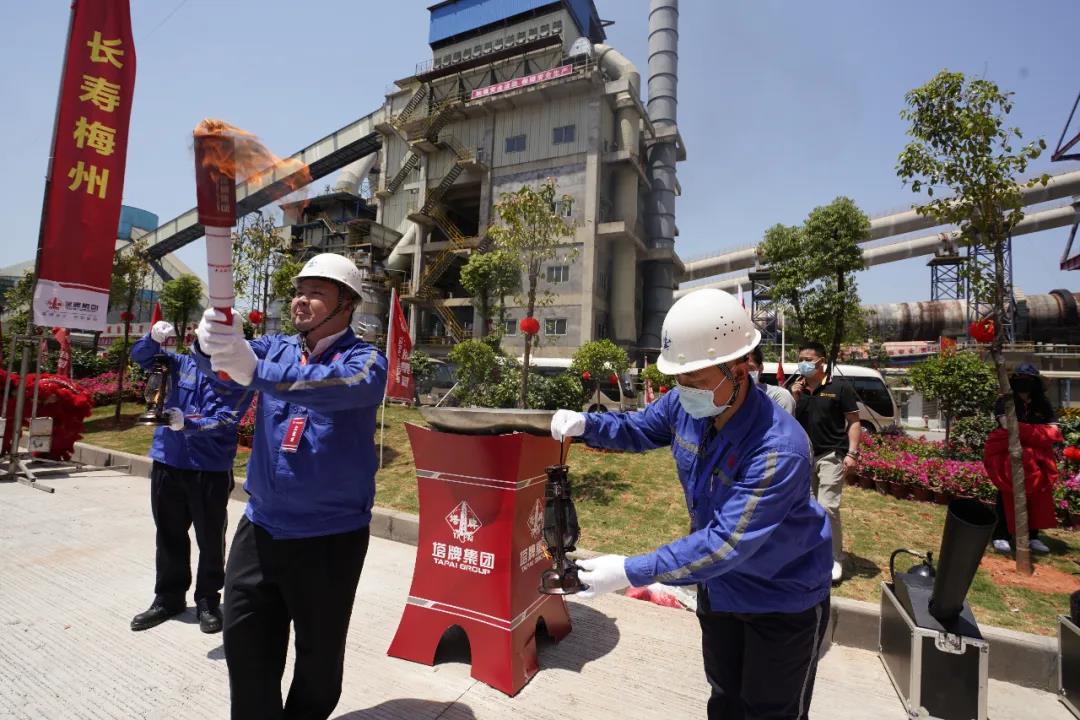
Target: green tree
281	289
181	299
960	382
256	256
531	232
17	303
961	145
812	270
130	276
489	276
477	370
657	378
599	358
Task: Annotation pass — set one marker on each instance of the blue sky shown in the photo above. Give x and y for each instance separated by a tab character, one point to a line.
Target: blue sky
783	105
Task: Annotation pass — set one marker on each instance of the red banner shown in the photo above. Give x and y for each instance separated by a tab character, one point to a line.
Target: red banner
82	207
63	363
399	378
535	78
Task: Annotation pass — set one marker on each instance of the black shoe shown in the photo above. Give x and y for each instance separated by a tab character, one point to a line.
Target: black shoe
210	620
153	617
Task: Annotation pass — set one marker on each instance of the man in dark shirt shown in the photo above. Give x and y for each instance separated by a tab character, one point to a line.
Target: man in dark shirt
828	411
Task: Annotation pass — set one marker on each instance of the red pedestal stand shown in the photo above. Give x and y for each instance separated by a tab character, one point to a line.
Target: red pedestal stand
480	553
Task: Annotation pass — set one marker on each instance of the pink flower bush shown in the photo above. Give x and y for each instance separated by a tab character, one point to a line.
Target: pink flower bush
921	462
102	388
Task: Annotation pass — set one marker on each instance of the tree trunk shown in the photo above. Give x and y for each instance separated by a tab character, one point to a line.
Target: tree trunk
838	327
485	312
948	432
528	342
1019	491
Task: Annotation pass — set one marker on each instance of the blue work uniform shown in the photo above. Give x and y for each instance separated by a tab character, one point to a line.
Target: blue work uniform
191	478
212	412
758	542
313	462
298	552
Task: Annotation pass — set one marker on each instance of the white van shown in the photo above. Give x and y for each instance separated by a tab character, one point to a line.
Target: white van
878	408
614	397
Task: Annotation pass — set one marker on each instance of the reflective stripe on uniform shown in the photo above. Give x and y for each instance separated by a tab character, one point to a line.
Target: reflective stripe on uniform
740	527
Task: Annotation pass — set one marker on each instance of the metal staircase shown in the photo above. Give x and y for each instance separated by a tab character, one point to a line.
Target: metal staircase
410	107
412	159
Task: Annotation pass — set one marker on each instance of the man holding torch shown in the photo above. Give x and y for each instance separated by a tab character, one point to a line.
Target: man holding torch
190	482
299	549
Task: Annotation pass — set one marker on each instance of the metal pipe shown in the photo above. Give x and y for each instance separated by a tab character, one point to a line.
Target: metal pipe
659	276
1045	316
352	176
927	245
1059	186
624	263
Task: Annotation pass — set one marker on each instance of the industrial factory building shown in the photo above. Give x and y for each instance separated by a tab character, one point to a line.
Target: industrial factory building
515	93
518	91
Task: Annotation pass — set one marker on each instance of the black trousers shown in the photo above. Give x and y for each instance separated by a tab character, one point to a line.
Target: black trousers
180	499
310	582
762	665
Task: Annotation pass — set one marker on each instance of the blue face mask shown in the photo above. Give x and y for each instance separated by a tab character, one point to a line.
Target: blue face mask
699	403
807	368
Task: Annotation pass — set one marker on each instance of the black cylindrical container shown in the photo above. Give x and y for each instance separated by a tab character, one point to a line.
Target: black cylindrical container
968	527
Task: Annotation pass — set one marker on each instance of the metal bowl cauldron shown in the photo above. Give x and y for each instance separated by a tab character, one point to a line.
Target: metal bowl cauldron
488	421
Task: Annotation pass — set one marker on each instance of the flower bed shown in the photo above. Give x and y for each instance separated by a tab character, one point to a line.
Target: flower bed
921	468
102	388
246	431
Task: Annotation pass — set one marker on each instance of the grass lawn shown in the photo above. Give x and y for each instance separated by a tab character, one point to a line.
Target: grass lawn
631	503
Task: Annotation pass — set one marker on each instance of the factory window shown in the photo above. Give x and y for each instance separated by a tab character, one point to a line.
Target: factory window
555	326
601	328
564	208
515	144
603	281
487	47
558	273
457	56
564	134
510	327
521	36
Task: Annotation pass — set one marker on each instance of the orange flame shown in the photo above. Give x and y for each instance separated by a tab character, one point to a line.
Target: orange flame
250	160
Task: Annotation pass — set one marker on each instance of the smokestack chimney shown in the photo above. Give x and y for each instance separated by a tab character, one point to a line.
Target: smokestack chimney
660	211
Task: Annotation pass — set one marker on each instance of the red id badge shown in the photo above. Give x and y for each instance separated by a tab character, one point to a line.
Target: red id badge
293	433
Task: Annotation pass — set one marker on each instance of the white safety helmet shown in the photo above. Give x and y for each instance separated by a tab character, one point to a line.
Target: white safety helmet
706	327
331	266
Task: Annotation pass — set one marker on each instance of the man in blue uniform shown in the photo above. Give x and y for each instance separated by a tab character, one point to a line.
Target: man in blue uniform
758	547
190	483
299	550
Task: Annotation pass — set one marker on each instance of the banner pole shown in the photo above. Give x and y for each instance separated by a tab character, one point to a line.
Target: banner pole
52	154
389	344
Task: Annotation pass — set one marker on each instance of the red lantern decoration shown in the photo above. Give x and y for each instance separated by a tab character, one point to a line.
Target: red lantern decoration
663	389
255	317
982	331
126	316
529	325
586	376
613	379
1072	454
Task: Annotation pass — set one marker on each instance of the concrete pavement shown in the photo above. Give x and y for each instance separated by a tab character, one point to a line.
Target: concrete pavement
76	565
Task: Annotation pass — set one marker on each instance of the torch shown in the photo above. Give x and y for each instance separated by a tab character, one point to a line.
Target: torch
561	532
215	187
158	387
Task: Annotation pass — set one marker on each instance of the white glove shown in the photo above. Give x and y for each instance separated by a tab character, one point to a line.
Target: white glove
567	423
603	574
236	359
162	331
214	334
176	418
